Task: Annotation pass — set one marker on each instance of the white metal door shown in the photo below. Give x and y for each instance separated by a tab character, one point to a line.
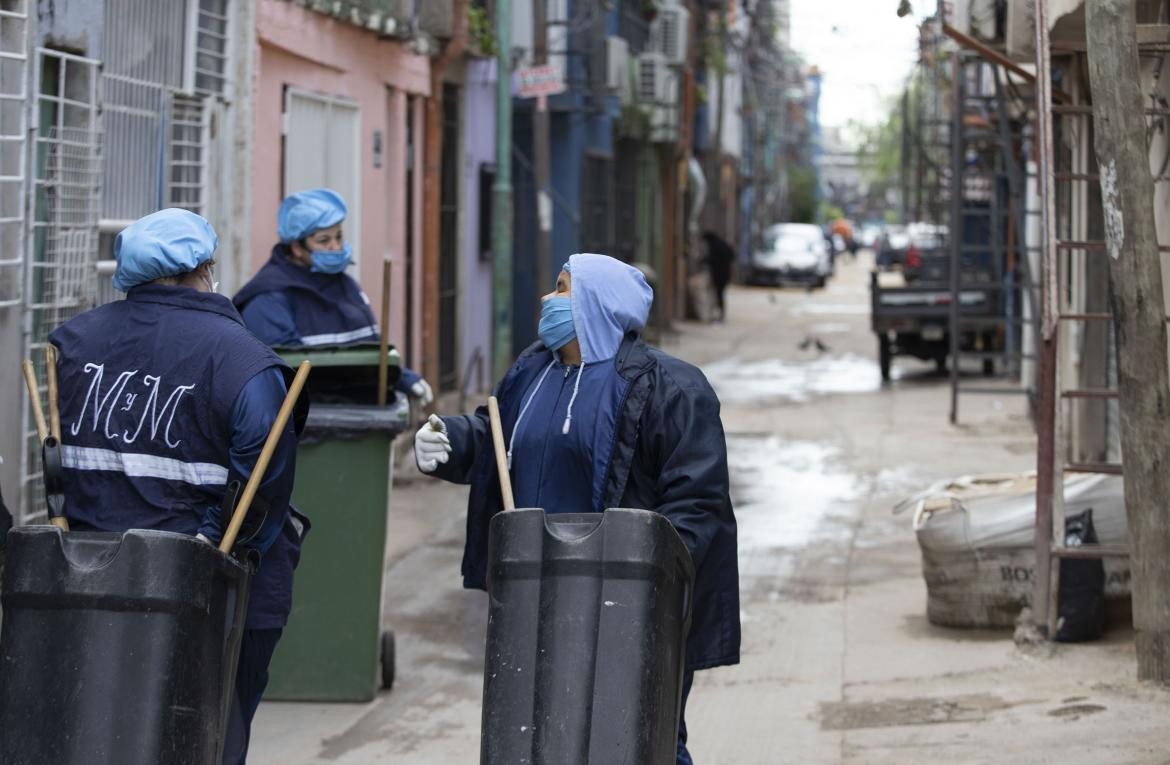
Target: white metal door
322	147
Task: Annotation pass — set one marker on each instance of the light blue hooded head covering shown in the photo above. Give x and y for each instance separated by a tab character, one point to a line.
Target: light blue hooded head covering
166	243
609	298
307	211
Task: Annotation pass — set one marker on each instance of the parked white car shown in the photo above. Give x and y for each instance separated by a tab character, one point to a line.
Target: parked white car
792	252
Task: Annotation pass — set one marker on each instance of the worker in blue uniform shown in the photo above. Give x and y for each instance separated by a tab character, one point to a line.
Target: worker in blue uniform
165	398
593	418
302	295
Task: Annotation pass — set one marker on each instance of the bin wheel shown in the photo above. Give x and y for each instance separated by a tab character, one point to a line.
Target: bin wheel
387	660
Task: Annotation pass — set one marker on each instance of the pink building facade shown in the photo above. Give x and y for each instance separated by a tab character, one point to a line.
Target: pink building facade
338	106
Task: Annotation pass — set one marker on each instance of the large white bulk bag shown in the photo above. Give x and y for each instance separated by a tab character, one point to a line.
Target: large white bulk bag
976	535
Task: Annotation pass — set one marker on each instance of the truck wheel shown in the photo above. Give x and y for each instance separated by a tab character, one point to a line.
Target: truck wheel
388	660
988	368
885	356
940	364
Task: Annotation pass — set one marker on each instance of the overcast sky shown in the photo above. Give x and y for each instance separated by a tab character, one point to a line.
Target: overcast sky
863	49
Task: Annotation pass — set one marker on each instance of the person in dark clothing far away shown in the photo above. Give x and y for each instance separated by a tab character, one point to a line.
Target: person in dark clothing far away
166	398
594	418
720	259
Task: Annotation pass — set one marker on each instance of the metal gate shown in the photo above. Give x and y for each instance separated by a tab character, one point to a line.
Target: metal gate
449	243
14	41
65	203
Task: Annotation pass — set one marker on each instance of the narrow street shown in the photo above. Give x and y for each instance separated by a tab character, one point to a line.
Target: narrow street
839	662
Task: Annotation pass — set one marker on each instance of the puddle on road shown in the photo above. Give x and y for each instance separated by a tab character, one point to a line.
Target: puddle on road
739	381
831	309
786	493
830	328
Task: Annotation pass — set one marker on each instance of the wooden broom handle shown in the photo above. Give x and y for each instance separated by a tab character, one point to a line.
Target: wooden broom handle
51	374
34	396
241	511
384	341
501	453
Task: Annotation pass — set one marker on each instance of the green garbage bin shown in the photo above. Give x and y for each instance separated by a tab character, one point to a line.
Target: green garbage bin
333	648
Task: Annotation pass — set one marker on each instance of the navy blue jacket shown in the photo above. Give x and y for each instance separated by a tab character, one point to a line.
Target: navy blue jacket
286	306
669	455
164	398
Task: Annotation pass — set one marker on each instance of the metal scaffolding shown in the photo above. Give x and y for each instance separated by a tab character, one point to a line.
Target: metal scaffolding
992	289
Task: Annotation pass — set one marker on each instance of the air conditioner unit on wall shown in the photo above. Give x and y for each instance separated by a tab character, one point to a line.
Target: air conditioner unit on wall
617	66
658	94
668	34
653	73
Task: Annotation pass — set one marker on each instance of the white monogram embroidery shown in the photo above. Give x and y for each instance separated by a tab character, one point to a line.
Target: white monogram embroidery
109	399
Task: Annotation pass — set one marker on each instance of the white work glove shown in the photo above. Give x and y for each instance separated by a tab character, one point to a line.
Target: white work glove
431	445
422	391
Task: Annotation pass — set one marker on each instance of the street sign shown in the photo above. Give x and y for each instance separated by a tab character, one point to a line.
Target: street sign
543	80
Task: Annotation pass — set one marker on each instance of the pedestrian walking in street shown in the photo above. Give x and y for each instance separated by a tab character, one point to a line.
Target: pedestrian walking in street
720	261
594	418
302	295
165	398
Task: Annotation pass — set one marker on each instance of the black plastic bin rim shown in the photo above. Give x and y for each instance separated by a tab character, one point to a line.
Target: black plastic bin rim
354	420
64	537
595	520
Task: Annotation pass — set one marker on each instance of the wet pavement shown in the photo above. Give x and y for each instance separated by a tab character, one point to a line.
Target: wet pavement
839	663
778	380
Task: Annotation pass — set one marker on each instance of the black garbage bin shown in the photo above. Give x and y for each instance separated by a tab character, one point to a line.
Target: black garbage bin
586	640
117	649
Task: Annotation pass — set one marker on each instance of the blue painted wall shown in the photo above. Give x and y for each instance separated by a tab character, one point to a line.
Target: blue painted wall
575	131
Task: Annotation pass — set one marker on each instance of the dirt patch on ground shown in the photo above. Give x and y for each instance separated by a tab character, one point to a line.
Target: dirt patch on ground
1077	710
890	713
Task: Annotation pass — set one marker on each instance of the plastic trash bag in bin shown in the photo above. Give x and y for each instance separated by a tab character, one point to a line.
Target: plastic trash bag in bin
117	649
586	641
348	421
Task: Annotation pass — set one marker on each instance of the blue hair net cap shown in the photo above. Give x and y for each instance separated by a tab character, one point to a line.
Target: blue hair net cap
307	211
169	242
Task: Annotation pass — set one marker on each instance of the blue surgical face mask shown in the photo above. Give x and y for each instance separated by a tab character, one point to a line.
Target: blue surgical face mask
556	323
331	261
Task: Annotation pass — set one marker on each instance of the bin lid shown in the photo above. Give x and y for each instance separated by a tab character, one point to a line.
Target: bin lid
339	356
329	421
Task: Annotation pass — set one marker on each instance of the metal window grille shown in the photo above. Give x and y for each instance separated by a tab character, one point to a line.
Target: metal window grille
147	40
188	152
155	104
65	202
134	177
211	47
14	36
